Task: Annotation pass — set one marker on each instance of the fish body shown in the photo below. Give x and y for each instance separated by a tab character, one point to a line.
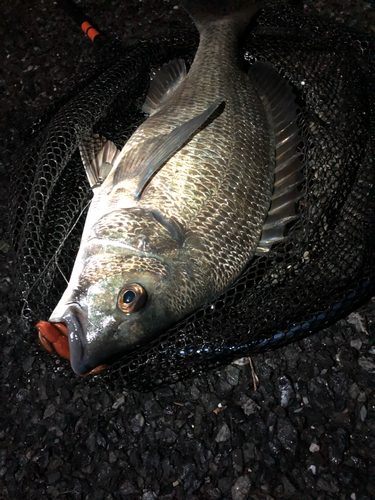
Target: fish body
177	213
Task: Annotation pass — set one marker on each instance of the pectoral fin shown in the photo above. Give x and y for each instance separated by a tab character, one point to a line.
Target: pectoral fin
153	153
98	157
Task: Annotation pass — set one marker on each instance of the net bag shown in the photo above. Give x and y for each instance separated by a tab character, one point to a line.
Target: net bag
322	271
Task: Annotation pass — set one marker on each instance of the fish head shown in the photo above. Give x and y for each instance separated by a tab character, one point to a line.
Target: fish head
118	303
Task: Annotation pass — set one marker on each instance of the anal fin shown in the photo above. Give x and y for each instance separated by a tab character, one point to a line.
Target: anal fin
164	82
280	101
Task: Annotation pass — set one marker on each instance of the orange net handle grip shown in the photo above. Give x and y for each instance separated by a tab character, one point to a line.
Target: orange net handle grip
89	30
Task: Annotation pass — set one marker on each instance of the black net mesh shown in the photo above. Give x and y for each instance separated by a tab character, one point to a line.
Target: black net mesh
323	270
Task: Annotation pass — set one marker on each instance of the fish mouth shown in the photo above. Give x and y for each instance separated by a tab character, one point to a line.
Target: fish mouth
81	362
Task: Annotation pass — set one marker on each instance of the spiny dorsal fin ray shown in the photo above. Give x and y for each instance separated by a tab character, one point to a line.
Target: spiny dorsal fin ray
98	157
164	82
280	101
154	152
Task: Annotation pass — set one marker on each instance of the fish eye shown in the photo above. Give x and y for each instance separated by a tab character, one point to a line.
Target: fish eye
131	298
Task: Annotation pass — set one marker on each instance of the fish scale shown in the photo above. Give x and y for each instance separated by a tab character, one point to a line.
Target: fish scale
240	167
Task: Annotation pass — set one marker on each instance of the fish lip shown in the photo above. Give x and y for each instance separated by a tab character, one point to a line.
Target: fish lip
72	318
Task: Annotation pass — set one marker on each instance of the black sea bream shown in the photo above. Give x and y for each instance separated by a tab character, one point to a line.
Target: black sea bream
207	181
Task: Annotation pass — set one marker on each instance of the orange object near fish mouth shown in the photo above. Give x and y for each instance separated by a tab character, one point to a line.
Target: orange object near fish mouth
54	338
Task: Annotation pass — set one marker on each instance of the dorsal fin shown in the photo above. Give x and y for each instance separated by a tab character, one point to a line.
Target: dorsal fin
164	82
280	101
149	156
98	157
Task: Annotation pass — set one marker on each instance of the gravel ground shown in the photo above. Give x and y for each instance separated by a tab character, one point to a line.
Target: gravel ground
306	431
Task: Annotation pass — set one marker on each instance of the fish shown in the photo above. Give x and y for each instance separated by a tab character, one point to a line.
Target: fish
209	181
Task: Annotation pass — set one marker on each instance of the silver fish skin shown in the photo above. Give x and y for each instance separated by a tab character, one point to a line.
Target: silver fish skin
168	240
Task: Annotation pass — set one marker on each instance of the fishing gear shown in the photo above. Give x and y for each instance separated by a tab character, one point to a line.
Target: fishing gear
81	19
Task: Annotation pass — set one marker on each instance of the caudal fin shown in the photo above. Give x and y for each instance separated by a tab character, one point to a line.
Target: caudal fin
237	12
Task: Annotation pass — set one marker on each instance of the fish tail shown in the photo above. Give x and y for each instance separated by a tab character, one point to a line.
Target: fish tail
237	13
